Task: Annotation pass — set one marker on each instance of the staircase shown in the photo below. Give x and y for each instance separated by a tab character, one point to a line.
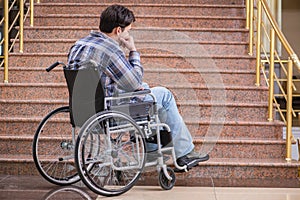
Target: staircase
196	48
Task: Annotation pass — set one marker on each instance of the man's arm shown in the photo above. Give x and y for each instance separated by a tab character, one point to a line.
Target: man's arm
128	74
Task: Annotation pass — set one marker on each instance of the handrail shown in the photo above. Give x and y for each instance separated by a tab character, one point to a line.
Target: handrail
9	25
31	12
6	38
268	54
280	35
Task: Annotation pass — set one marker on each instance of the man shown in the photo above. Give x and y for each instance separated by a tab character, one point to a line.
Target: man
119	74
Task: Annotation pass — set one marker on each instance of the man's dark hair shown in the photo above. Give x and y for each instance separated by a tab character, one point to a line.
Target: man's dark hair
114	16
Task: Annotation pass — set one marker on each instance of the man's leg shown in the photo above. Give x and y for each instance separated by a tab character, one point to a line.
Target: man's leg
182	139
169	114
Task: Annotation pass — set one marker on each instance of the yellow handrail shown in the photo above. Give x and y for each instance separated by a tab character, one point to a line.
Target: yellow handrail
7	27
6	38
250	21
271	56
289	111
258	43
271	74
280	35
21	25
31	12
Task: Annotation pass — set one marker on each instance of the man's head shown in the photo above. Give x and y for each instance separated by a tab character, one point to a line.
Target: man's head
115	16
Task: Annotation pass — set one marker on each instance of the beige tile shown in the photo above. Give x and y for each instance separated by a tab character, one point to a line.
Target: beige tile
208	193
257	193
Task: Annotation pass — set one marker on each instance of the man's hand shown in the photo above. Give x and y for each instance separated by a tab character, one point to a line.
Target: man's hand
127	41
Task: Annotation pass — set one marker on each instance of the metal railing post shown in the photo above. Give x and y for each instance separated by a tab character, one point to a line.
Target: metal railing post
21	35
289	111
271	74
258	42
251	9
247	14
6	39
31	12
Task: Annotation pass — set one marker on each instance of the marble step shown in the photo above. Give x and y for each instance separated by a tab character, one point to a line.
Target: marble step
209	111
176	47
26	126
143	21
48	91
224	171
213	62
223	2
142	33
232	172
153	76
216	148
143	8
197	76
197	110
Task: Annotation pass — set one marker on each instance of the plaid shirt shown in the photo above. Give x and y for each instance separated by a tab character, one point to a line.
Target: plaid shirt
117	73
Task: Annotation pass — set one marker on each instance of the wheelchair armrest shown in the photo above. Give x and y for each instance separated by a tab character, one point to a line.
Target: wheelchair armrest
129	95
135	93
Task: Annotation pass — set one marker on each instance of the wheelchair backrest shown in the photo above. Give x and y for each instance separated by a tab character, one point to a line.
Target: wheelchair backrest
86	95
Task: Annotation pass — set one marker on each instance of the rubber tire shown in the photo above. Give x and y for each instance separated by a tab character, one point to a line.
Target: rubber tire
164	182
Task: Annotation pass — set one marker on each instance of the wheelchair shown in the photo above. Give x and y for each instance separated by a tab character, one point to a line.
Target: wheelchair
101	140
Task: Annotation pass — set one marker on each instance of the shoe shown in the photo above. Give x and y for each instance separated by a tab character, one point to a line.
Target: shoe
191	160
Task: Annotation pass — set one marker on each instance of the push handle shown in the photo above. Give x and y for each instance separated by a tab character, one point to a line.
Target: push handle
54	65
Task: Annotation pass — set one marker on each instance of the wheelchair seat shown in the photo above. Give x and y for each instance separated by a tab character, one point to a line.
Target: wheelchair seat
138	111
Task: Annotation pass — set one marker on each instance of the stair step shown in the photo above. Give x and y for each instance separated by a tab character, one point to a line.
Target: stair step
23	108
234	129
230	148
254	168
241	148
195	76
213	62
206	111
177	47
19	126
233	172
43	91
193	48
48	91
143	9
205	175
231	93
27	125
17	165
153	76
225	2
143	21
141	33
197	110
230	169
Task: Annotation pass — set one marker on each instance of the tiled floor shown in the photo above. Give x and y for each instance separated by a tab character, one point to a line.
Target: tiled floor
36	188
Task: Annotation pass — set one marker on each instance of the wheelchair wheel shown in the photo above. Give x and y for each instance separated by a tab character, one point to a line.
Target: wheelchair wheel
53	148
110	153
164	182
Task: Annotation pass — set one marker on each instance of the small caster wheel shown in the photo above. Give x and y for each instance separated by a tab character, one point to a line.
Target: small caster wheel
164	182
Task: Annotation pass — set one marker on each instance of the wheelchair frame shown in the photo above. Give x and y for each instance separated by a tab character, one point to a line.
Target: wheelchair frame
72	157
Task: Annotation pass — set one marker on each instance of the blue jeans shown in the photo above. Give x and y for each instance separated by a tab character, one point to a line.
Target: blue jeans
168	113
